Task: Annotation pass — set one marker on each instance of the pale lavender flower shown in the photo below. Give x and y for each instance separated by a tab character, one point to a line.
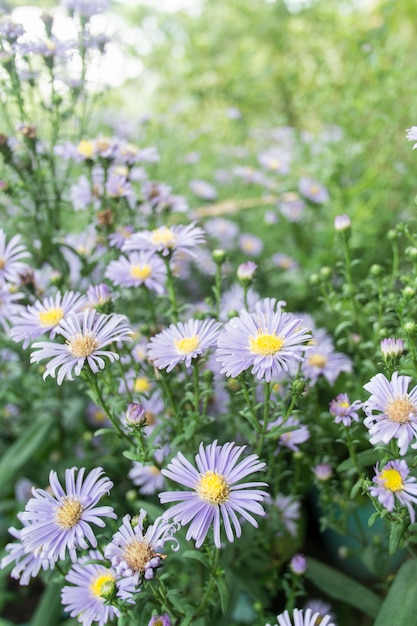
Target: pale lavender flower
291	206
167	240
250	244
393	482
182	342
135	553
323	360
120	236
85	336
8	305
222	229
246	271
289	512
81	194
26	564
343	410
342	222
267	342
322	471
233	300
299	433
84	597
149	410
60	520
412	135
303	618
160	620
88	8
202	189
216	491
97	295
275	160
45	315
312	190
392	347
396	410
284	262
321	607
298	564
148	477
139	268
11	254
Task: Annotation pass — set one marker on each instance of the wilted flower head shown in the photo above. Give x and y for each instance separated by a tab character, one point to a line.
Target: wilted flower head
216	491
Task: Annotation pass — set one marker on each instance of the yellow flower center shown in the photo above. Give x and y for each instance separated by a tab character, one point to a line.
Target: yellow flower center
2	263
317	360
140	272
51	317
101	583
82	345
155	471
99	416
392	479
212	487
141	385
274	164
137	553
265	344
398	410
150	418
187	345
86	148
164	236
344	404
69	513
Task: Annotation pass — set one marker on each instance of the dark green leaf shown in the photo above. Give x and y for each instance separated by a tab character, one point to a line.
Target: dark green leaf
400	605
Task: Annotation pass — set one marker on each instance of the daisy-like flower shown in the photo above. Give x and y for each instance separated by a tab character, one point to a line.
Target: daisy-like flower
268	342
26	564
216	491
396	410
182	342
323	360
303	618
8	305
312	190
393	482
60	520
140	268
343	410
160	620
290	439
11	254
412	135
167	240
85	336
149	478
44	316
289	512
135	553
90	584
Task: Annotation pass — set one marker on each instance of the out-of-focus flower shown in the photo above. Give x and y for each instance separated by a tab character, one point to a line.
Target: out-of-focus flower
303	618
140	268
203	190
167	240
342	222
216	491
412	135
312	190
250	244
323	360
394	483
343	410
11	254
298	564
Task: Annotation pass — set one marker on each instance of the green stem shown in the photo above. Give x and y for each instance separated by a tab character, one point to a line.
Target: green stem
265	418
171	290
92	381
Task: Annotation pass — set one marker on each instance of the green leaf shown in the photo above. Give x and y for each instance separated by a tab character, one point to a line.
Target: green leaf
223	592
49	608
400	605
365	459
132	456
341	587
24	449
194	554
396	533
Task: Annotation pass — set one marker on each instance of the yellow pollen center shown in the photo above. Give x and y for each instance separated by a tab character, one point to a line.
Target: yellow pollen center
51	317
2	263
137	553
164	236
82	345
140	272
86	148
187	344
150	418
344	404
69	513
155	471
317	360
99	584
212	487
274	164
141	385
265	344
398	410
392	479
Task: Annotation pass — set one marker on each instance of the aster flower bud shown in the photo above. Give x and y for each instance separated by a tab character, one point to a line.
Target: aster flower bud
410	328
246	272
135	414
298	564
219	256
342	223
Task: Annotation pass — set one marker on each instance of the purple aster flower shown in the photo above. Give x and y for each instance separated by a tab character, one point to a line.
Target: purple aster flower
8	305
81	194
166	240
321	607
284	262
298	564
303	618
44	316
412	135
291	206
322	360
140	268
26	564
312	190
11	254
393	482
148	477
233	300
250	244
160	620
135	553
322	471
224	230
85	336
182	342
216	491
267	342
148	411
343	410
396	410
61	520
289	512
342	222
88	8
290	439
246	271
90	584
203	190
98	295
275	160
392	347
118	238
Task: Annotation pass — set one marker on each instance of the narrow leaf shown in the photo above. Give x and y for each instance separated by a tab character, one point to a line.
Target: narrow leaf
400	605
